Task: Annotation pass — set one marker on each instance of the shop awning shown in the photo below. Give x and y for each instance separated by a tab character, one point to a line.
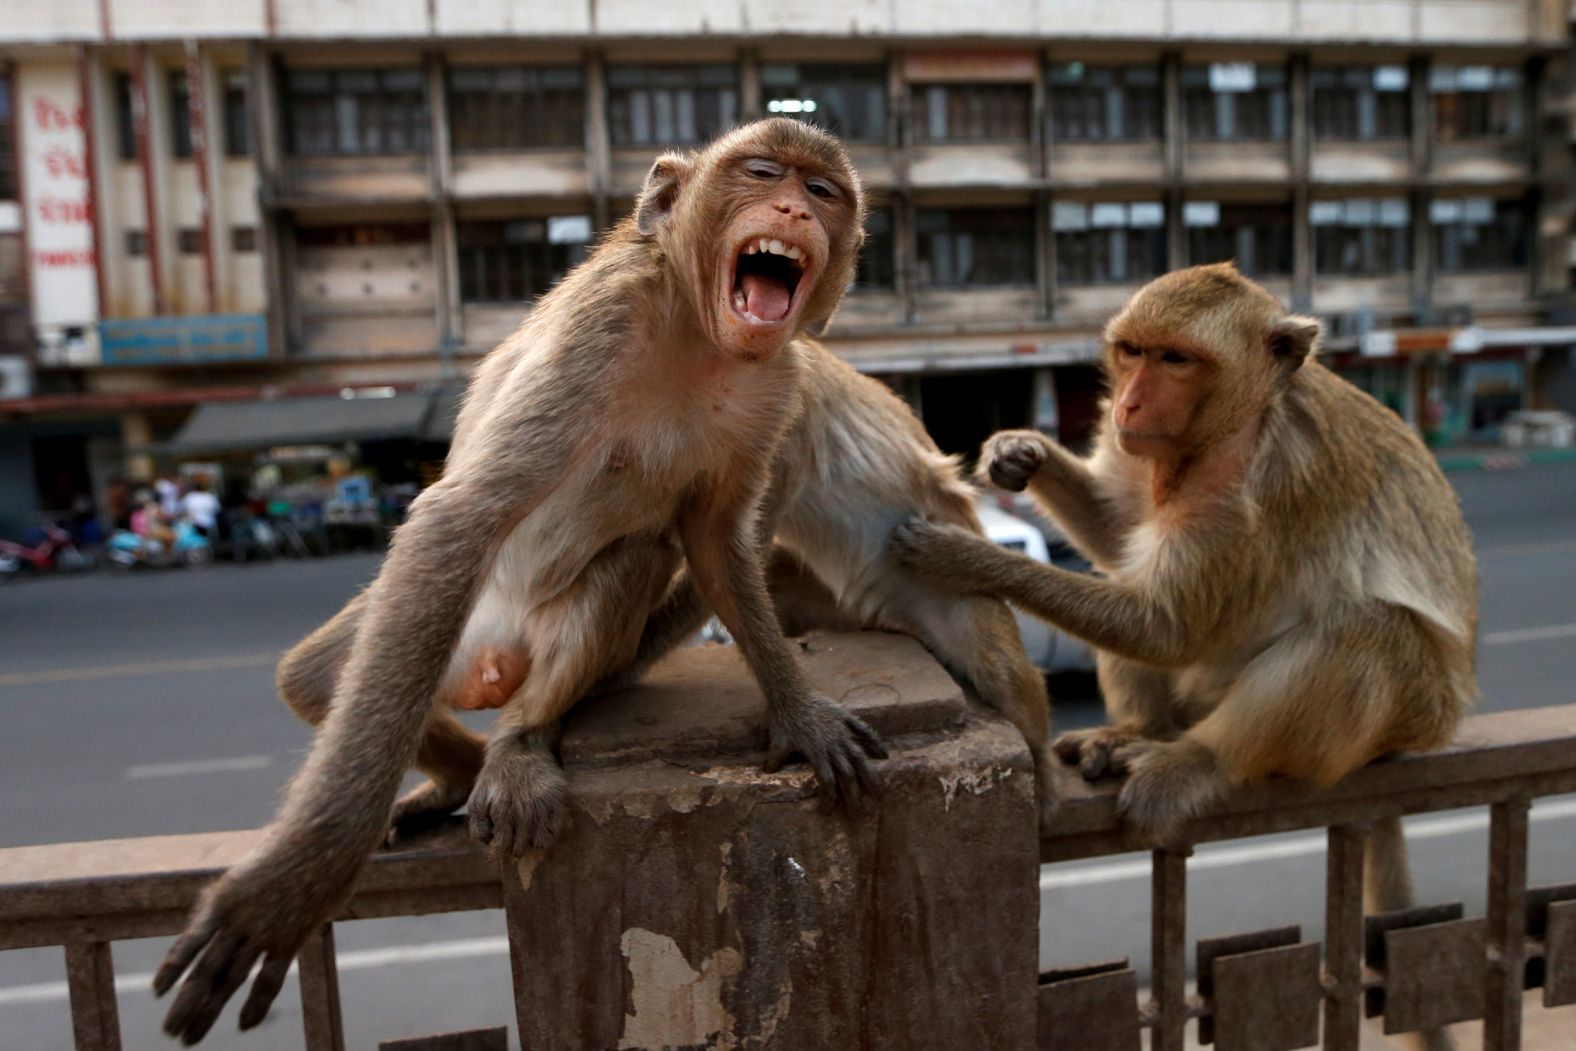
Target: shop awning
219	426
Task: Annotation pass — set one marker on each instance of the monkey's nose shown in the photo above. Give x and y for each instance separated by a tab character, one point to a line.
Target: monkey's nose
790	210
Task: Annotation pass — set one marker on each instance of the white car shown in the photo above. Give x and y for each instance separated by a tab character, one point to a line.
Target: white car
1049	648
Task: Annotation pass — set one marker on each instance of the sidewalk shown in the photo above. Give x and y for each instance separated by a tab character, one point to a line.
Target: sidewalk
1498	458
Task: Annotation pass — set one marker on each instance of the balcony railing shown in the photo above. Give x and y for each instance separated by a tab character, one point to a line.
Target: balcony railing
909	927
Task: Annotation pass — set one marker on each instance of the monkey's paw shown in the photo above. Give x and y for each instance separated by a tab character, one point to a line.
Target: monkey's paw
425	806
837	744
945	554
1011	458
254	911
520	802
1094	751
1168	784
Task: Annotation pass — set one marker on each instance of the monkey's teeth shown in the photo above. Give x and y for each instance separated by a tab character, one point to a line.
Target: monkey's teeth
793	252
766	245
777	247
750	249
739	302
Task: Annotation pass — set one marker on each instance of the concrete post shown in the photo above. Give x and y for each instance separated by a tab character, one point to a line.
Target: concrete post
697	902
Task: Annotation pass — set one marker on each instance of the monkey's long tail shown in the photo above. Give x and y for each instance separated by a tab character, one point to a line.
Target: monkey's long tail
1387	885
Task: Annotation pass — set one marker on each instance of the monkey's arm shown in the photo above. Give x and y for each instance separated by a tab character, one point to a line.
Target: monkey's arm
336	809
1062	483
722	544
1128	621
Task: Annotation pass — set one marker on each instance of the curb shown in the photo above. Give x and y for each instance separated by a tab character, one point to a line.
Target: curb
1503	459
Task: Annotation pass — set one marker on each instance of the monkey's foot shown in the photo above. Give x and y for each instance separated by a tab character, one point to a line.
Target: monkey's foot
521	799
1011	458
945	554
1094	751
837	744
425	806
1168	784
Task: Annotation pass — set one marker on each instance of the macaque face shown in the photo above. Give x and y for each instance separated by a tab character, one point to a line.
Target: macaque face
785	250
1156	392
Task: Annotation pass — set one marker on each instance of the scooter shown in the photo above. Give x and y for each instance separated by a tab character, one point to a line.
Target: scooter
55	551
129	550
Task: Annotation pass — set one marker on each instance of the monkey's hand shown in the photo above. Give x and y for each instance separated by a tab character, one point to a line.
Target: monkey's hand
1011	458
837	744
261	908
945	554
1095	751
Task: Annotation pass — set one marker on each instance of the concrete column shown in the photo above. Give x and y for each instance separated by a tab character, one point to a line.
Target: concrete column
136	433
1045	255
96	137
903	234
1175	158
274	239
1422	170
1301	173
599	158
201	88
750	84
150	129
445	251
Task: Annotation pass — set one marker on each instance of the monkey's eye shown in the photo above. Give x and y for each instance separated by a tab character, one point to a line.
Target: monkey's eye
764	169
1127	350
821	188
1175	357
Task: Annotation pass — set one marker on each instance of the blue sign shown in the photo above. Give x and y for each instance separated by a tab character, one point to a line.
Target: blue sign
191	340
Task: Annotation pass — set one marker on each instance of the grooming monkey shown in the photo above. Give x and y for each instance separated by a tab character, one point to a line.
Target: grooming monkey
1289	588
630	425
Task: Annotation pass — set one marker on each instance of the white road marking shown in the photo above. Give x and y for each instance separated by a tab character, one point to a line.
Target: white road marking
358	960
1303	846
125	671
1552	631
198	766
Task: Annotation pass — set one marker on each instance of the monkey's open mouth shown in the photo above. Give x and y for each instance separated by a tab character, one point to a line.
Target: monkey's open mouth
766	274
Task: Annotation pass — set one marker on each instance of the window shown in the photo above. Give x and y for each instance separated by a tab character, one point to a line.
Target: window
1361	236
970	112
1361	103
670	105
1235	102
237	128
125	125
136	243
1478	233
1109	242
363	235
243	238
189	240
356	112
520	259
7	140
848	101
180	115
1105	103
975	247
1476	102
1256	236
513	108
876	268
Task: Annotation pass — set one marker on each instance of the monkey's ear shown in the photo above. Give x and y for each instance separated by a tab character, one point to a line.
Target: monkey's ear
1293	338
660	191
816	329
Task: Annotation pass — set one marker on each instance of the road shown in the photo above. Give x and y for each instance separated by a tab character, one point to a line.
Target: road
143	704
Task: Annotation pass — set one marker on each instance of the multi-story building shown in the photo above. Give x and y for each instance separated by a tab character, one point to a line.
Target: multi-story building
242	200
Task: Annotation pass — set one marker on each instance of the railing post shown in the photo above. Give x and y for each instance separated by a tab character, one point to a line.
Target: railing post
95	1018
1507	925
1168	947
320	1016
1343	938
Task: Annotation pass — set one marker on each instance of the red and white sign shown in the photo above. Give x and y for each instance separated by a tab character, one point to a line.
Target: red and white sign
56	206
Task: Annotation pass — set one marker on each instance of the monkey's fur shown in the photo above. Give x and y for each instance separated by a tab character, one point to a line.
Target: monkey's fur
1289	588
631	424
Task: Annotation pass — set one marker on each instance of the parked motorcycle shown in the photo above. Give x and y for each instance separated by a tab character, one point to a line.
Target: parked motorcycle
53	551
128	550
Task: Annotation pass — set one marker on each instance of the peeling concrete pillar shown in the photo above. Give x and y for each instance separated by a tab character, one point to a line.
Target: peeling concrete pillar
697	902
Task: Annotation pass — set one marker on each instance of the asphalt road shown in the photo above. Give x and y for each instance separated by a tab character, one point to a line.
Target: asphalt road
143	704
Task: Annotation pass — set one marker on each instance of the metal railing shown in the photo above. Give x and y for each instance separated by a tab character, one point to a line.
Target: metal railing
1421	968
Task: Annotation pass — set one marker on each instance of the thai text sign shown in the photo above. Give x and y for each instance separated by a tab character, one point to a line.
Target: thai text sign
58	216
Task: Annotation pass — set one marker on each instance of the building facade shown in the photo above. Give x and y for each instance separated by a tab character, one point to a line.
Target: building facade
238	199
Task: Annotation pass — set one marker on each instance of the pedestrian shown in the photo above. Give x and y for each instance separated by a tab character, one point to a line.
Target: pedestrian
201	508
